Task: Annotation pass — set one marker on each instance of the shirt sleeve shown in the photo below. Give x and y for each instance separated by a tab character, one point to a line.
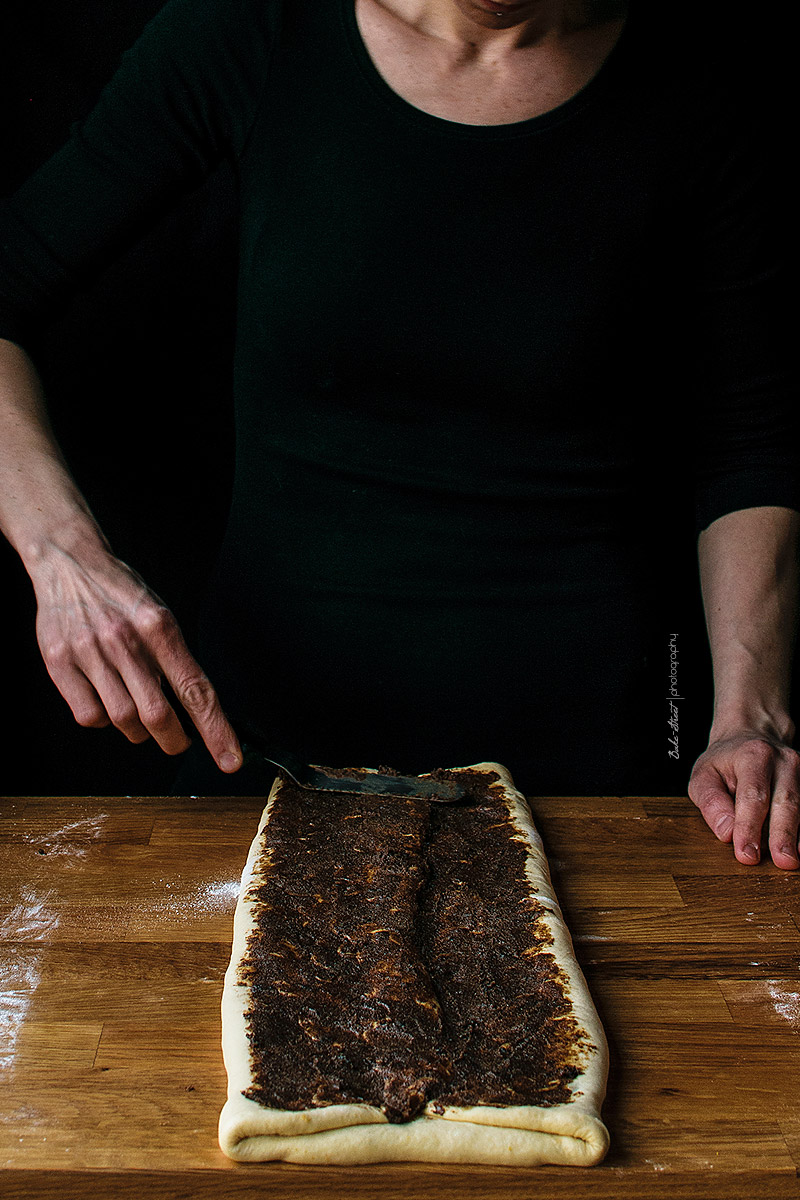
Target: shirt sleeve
747	429
183	98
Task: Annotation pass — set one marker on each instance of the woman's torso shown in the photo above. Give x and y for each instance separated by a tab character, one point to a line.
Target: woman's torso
437	544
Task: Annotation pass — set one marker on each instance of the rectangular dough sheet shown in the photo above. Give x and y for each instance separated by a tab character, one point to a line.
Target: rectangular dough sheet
569	1133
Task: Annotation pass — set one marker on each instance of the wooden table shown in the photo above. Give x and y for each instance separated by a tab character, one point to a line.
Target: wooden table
115	932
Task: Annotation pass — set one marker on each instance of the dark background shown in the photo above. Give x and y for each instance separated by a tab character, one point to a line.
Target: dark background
137	376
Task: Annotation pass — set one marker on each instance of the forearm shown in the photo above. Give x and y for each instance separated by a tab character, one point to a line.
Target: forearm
41	506
749	577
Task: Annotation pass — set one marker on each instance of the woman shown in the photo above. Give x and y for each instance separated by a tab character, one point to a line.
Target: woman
479	241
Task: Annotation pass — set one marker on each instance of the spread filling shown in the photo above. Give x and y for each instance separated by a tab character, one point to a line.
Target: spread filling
399	958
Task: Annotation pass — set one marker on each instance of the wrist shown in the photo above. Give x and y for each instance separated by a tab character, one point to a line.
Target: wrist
752	687
75	535
771	721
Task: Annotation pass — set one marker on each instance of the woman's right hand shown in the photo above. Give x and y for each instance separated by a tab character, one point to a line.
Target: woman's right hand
107	641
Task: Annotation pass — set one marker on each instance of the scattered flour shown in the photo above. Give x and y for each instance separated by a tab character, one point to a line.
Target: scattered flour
72	841
786	1004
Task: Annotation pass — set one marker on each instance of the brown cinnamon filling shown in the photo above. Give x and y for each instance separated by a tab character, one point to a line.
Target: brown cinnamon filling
399	959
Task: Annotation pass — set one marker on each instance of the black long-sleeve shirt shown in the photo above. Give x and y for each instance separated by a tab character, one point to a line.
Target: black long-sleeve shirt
471	362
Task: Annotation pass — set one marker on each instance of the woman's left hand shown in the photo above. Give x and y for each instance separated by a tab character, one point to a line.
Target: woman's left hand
747	786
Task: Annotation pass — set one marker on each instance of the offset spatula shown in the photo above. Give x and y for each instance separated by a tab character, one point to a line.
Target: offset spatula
444	791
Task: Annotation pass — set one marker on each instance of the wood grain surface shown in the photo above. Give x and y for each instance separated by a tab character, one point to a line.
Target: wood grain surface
115	932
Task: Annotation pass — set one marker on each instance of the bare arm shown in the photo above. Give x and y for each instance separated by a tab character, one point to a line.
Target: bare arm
747	783
106	639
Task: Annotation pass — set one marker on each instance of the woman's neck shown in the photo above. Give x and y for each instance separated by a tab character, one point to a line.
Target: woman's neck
495	28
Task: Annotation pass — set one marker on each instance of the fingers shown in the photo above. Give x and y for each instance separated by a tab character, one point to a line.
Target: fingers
784	816
87	707
709	791
105	683
194	690
745	787
754	768
109	671
767	798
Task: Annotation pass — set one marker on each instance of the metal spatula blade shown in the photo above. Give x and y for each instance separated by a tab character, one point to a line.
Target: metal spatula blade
373	783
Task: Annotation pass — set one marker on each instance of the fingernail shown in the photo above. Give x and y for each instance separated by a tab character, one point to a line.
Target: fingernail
789	851
229	761
751	851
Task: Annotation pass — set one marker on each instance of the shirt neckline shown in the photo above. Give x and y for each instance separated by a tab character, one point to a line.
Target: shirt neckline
443	125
